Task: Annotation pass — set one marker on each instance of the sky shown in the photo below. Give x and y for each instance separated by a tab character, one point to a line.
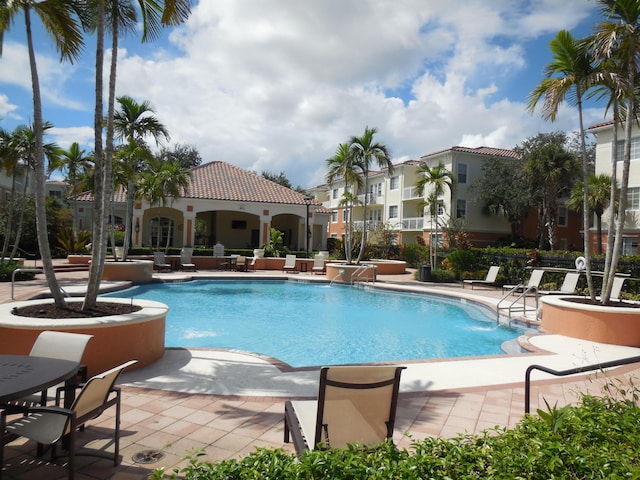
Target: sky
277	85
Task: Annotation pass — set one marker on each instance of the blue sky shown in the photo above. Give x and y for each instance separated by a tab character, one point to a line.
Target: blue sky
277	84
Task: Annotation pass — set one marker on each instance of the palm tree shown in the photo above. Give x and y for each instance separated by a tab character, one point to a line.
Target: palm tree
120	14
76	164
437	178
341	166
159	181
61	19
617	43
569	75
133	122
363	151
599	188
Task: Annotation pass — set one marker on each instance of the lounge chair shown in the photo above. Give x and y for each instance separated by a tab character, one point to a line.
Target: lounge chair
185	262
568	287
355	404
490	279
48	425
241	263
160	262
531	286
318	265
290	264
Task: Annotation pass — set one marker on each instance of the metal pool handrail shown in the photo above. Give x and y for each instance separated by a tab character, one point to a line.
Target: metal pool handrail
571	371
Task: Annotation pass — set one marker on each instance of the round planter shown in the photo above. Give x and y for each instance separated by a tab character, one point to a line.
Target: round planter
616	325
258	252
116	339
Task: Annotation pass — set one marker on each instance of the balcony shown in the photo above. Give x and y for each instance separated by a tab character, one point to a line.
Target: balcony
410	193
372	199
416	223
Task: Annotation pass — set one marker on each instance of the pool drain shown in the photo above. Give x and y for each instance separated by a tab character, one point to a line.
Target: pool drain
148	456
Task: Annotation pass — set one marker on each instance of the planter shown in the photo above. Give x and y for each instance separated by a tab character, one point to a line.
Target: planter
187	252
119	251
116	339
343	273
258	252
136	271
615	325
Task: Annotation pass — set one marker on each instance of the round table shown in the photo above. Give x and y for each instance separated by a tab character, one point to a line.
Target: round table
21	375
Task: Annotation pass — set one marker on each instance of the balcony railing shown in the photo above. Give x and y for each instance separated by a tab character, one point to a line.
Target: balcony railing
410	193
416	223
372	199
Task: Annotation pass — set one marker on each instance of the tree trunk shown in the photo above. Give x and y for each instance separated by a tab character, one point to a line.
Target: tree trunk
41	211
99	238
363	239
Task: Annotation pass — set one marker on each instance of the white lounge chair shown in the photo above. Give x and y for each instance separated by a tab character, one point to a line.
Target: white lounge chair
354	404
490	279
318	265
290	264
568	287
185	262
532	285
160	262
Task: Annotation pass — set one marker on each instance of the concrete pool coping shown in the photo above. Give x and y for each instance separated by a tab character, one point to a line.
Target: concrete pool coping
235	373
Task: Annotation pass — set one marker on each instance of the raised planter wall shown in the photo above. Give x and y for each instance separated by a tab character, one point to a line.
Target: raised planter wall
137	271
116	339
603	324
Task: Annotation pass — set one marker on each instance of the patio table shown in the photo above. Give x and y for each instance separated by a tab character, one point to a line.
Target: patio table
21	375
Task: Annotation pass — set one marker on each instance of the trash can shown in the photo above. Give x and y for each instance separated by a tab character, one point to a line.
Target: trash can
425	273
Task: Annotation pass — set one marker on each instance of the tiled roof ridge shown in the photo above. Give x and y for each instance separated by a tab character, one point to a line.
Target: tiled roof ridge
502	152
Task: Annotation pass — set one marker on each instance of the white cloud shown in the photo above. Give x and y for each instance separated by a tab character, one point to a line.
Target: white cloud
278	84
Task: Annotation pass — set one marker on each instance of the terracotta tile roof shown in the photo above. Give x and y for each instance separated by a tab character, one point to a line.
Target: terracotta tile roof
223	181
600	125
487	151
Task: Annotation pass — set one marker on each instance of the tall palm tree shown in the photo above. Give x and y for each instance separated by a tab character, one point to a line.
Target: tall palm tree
364	151
599	199
617	43
341	166
437	178
61	19
569	75
133	122
119	14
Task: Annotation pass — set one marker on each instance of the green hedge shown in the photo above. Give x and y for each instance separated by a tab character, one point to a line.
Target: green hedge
596	439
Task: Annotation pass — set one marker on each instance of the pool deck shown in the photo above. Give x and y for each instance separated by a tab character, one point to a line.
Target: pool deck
228	402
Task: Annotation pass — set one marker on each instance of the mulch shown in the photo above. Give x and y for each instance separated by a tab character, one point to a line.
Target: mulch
74	310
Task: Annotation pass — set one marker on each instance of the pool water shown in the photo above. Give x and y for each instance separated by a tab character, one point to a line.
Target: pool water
318	324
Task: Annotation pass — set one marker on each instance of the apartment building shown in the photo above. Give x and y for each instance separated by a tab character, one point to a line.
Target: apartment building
393	201
604	150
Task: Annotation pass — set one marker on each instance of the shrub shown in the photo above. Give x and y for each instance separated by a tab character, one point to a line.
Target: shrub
414	254
596	439
460	261
7	269
439	275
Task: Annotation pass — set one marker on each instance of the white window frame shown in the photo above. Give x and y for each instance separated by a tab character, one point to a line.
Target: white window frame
633	198
629	245
334	216
334	194
393	211
394	183
635	149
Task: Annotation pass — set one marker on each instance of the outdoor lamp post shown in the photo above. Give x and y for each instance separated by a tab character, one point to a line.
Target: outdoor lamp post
307	200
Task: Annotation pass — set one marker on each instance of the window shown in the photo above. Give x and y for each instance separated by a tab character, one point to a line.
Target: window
563	244
461	208
345	215
55	194
375	215
629	245
334	216
633	198
161	228
334	193
563	217
462	173
440	207
394	183
375	189
635	149
393	211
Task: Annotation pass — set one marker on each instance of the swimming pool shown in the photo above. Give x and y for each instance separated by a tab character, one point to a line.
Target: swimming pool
317	324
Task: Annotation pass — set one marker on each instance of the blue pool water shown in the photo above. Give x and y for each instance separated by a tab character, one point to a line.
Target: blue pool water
317	324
